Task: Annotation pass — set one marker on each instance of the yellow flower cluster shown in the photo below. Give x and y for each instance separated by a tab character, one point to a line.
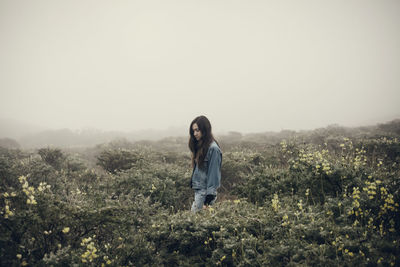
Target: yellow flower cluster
316	159
275	203
347	144
338	243
306	157
371	223
208	241
43	186
90	253
346	251
7	212
387	141
107	260
153	188
300	205
28	190
356	197
283	146
389	202
376	191
285	220
360	158
370	189
356	204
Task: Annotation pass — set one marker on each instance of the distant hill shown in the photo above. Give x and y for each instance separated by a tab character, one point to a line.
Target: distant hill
16	134
91	137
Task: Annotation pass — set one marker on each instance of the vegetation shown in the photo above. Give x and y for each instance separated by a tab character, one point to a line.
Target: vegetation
328	197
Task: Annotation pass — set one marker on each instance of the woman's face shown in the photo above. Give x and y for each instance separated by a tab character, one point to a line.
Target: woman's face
196	131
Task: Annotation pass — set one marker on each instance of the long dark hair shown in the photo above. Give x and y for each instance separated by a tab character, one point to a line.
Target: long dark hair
199	148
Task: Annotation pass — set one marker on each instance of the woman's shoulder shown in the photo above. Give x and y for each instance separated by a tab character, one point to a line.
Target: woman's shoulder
214	146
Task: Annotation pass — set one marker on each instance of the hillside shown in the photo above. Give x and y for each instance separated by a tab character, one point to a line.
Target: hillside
327	197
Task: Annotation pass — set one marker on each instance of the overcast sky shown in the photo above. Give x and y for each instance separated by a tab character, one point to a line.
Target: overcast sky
248	66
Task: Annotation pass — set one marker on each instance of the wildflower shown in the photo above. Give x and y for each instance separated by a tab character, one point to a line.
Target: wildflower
65	230
285	220
153	188
300	204
19	256
275	203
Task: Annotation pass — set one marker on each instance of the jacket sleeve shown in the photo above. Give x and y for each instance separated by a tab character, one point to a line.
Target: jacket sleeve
214	171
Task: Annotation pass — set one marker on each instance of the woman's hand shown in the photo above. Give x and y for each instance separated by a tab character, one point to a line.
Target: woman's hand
209	199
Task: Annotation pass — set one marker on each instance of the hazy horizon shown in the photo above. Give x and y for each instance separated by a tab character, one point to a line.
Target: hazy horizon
251	66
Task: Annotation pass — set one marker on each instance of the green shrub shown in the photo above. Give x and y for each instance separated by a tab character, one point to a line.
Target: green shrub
52	156
117	160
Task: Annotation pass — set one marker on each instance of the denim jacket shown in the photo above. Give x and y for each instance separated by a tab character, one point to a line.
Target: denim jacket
209	177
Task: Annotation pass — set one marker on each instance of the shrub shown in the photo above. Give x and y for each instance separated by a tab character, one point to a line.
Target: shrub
117	160
52	156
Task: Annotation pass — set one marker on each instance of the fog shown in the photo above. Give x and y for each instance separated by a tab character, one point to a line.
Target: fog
249	66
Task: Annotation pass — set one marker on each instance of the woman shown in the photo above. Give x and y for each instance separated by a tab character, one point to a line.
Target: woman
206	163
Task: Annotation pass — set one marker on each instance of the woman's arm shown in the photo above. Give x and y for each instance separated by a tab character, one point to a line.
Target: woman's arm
214	171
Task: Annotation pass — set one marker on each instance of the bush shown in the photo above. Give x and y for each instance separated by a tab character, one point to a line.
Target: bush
117	160
52	156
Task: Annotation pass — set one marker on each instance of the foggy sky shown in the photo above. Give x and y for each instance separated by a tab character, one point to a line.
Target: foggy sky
249	66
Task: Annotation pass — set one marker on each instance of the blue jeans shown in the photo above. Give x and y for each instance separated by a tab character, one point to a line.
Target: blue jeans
199	197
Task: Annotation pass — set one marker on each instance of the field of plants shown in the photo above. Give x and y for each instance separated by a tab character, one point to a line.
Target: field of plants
328	197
